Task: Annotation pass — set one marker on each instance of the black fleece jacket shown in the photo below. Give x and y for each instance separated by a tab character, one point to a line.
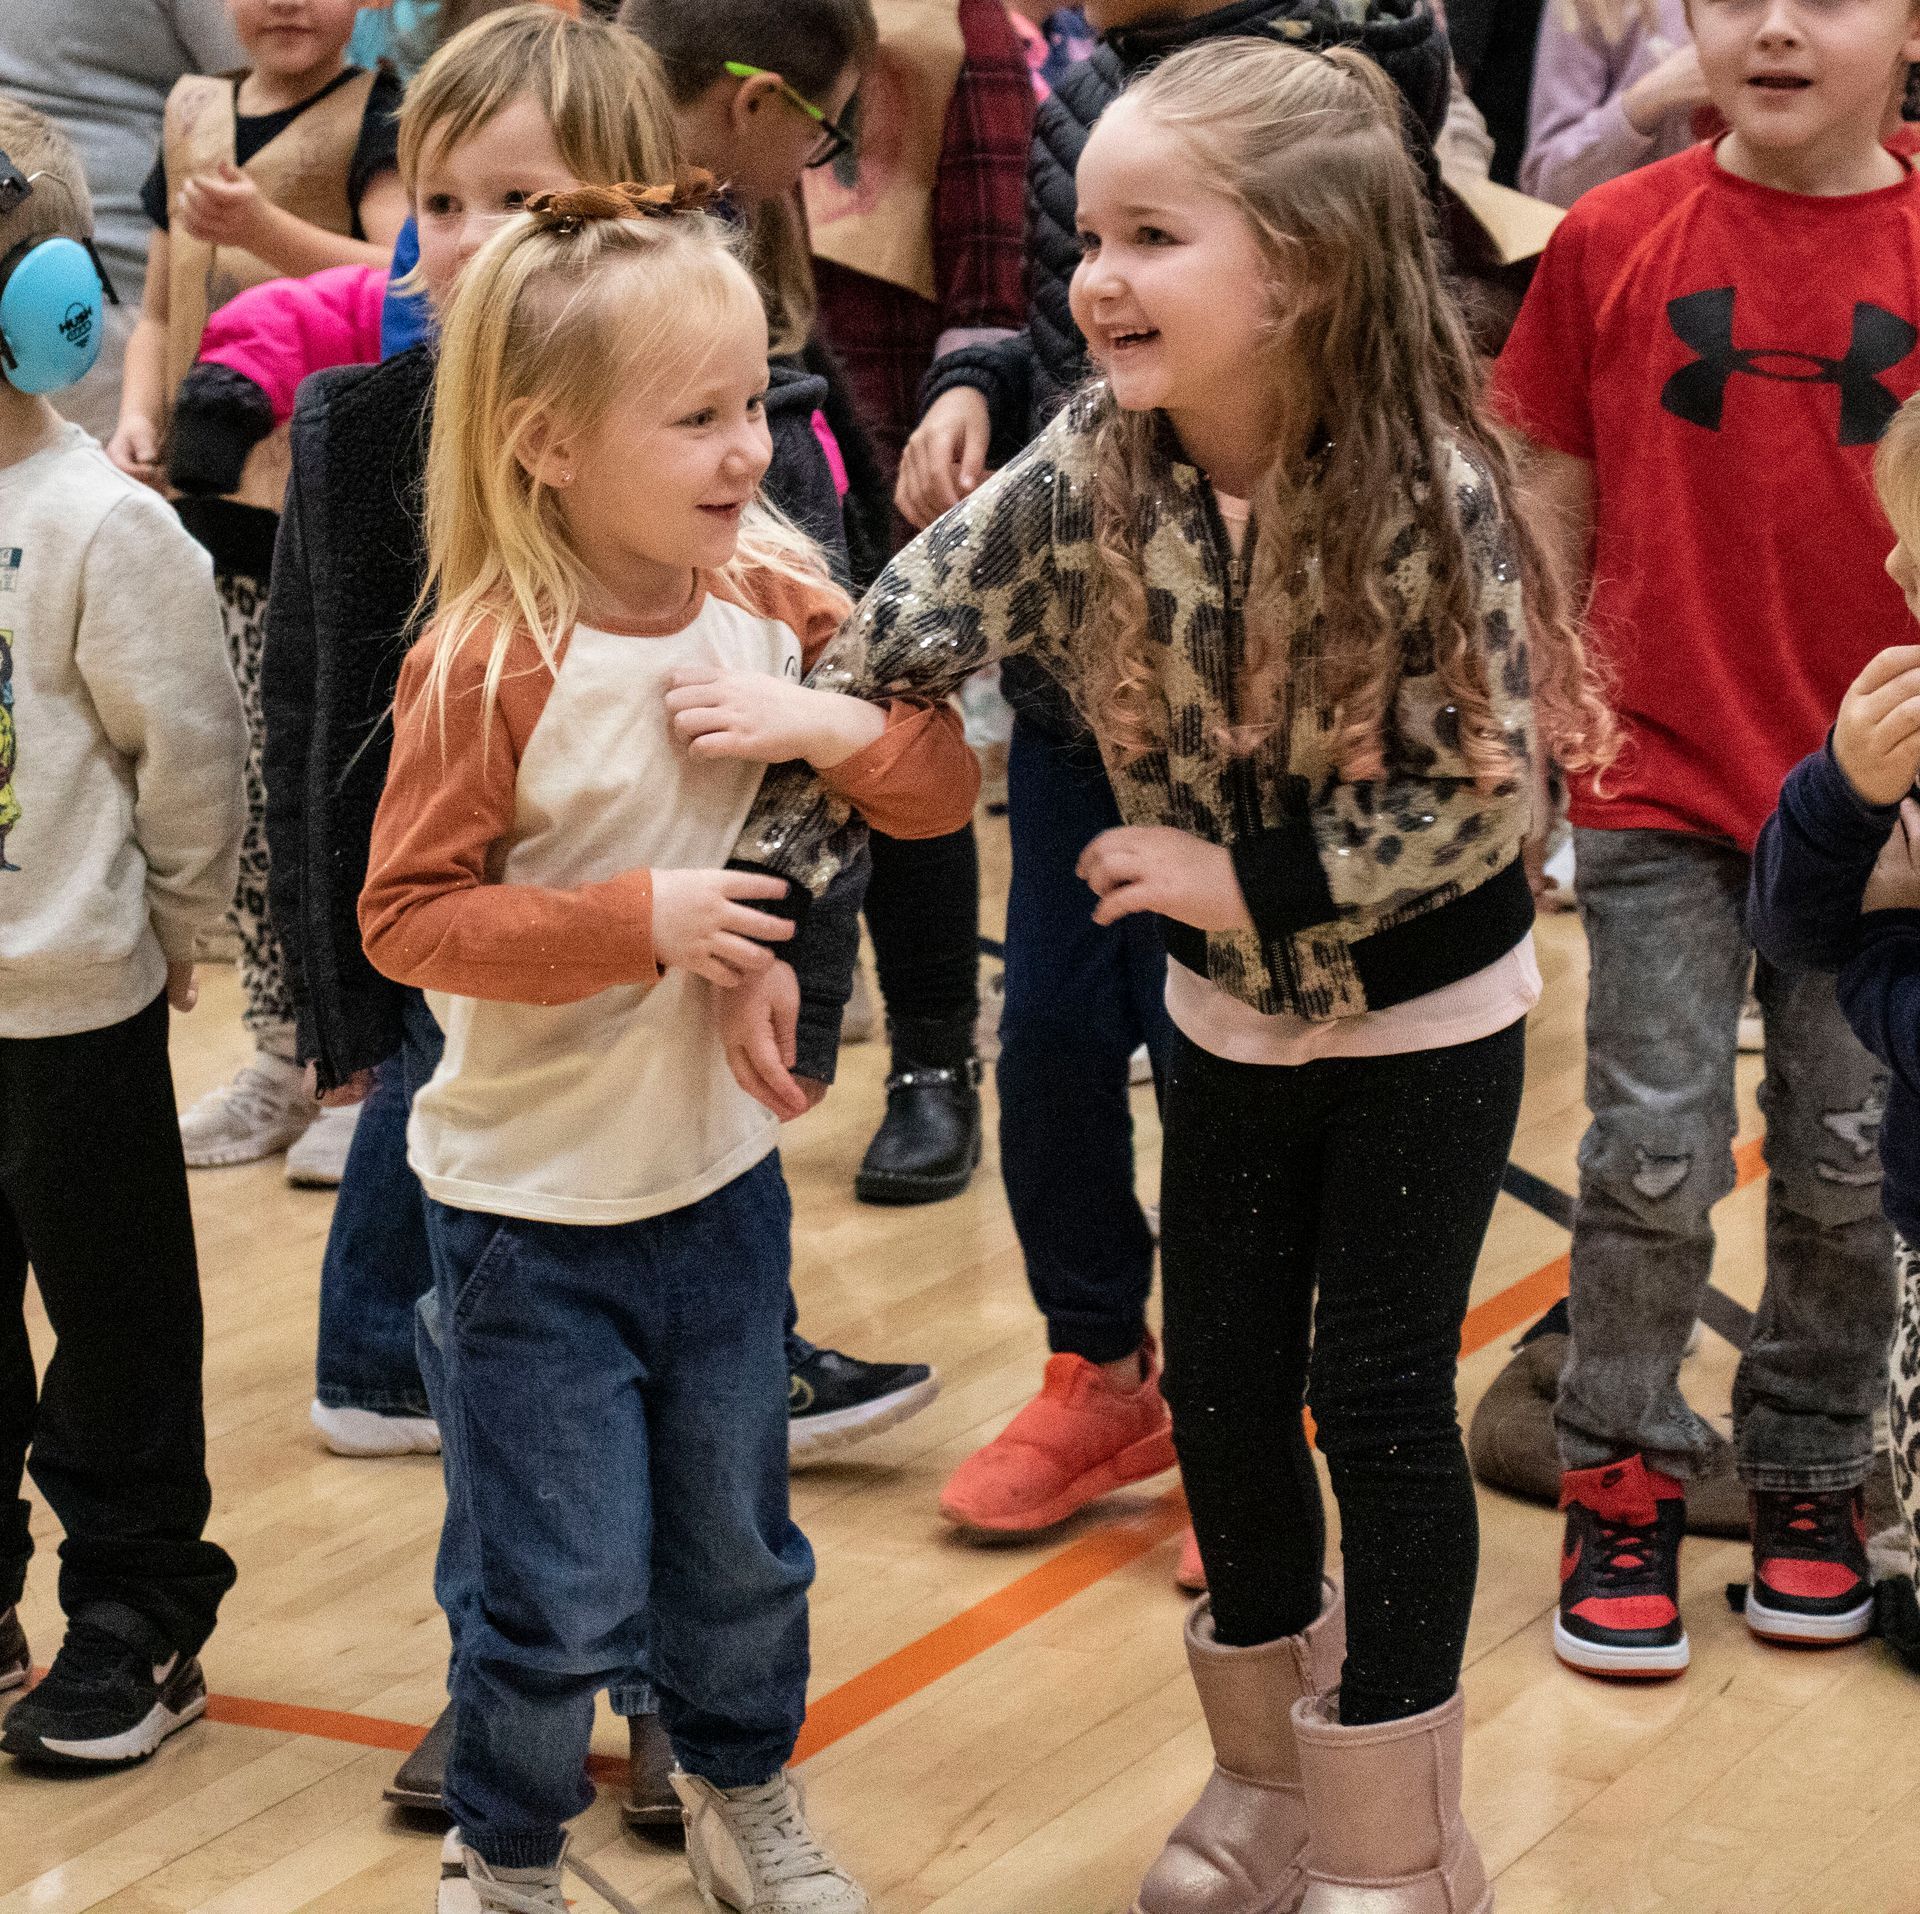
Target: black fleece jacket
1027	377
347	569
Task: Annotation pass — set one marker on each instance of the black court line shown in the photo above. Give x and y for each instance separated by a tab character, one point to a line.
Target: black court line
1539	1195
1718	1310
992	947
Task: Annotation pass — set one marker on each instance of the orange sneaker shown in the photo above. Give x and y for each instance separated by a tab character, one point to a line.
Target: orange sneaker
1077	1440
1191	1575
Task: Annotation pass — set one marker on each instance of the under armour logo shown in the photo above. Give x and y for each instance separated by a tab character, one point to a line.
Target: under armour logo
1698	392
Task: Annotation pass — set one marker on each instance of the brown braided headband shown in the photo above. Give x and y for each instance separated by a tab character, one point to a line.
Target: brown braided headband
692	191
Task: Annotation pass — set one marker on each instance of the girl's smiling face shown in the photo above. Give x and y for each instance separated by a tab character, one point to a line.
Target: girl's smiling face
1172	292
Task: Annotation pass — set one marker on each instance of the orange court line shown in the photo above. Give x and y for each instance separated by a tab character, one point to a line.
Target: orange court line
897	1677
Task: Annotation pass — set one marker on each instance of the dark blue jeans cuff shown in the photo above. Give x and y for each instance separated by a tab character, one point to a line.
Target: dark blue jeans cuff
518	1850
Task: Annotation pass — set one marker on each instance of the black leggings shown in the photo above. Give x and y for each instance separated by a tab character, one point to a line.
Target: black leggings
923	914
1370	1181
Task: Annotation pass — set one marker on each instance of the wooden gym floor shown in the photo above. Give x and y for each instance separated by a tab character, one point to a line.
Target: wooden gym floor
994	1731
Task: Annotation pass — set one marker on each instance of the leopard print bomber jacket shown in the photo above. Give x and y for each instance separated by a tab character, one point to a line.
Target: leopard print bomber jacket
1362	894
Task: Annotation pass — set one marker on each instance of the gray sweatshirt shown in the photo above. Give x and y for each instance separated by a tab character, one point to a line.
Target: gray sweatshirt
122	745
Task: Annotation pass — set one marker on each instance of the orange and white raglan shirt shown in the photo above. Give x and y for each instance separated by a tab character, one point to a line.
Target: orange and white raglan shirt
511	880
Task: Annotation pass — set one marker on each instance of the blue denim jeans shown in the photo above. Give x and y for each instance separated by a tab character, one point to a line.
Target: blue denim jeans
1665	919
612	1409
377	1265
1081	998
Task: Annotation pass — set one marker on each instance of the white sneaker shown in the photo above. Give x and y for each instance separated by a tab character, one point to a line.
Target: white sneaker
752	1852
318	1160
366	1432
469	1886
258	1114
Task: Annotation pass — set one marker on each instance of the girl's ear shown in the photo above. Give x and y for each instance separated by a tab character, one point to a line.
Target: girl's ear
545	453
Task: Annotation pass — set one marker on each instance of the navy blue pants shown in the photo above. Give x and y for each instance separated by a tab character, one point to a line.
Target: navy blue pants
1080	1000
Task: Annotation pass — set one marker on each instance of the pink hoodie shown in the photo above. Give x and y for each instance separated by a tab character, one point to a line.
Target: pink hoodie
275	334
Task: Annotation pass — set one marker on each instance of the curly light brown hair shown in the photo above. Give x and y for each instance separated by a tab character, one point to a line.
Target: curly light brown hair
1370	372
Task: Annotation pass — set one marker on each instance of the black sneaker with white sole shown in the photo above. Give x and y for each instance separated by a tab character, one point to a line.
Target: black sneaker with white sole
16	1660
114	1693
835	1400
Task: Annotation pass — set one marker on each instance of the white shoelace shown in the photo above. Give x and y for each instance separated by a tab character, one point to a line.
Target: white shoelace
767	1821
544	1897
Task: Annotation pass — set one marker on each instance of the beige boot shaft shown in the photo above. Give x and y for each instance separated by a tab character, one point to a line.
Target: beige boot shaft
1384	1830
1238	1849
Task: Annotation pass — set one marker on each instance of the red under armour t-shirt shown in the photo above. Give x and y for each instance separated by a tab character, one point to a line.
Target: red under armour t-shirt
1726	355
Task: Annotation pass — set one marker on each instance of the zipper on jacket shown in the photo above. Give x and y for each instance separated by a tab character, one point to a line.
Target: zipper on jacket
1233	570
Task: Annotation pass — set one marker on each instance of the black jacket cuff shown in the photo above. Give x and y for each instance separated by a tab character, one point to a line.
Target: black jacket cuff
1281	879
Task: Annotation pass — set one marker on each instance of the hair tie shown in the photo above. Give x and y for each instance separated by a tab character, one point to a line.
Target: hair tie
692	190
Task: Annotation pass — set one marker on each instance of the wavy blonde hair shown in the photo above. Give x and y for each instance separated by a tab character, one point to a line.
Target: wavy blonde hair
552	322
1370	372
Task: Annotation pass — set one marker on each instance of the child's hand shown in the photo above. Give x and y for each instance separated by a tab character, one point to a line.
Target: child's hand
135	448
752	714
758	1025
1876	738
1895	883
947	456
223	207
1155	868
182	991
701	923
343	1096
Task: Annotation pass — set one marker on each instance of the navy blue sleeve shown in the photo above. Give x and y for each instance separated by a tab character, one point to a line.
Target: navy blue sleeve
1811	866
1879	989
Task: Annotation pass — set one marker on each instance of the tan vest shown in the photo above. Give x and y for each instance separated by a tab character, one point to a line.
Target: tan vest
882	225
303	170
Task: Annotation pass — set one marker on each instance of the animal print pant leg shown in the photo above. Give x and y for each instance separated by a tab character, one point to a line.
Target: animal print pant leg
1903	1388
268	1006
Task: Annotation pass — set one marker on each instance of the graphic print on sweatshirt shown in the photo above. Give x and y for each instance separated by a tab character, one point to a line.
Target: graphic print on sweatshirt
9	750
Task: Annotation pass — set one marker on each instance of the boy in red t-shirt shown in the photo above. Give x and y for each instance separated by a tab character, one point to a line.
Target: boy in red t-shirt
1710	350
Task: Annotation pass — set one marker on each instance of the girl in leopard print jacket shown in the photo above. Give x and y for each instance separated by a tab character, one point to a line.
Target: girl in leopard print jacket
1274	559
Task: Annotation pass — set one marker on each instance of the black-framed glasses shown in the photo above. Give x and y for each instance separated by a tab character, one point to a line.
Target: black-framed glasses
834	138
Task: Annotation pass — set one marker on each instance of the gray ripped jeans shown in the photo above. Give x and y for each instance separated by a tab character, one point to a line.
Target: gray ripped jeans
1665	919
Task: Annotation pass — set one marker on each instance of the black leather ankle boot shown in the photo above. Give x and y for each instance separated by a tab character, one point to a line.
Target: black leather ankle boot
928	1146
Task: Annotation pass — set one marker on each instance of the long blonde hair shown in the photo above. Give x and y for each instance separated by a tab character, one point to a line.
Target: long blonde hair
555	318
602	91
1374	381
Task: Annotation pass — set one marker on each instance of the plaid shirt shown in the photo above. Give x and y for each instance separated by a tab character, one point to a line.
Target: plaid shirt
885	335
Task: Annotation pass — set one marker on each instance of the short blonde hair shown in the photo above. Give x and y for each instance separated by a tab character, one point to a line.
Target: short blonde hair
1896	474
59	202
602	92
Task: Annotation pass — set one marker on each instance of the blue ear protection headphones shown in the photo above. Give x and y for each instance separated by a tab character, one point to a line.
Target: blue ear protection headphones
51	293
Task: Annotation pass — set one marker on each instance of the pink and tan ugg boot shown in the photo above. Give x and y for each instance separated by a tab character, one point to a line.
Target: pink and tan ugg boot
1384	1829
1238	1849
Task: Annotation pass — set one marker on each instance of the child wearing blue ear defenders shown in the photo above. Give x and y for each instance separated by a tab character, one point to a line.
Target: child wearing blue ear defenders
121	804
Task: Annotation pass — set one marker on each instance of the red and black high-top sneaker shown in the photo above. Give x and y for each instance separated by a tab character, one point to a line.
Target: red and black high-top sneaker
1620	1571
1811	1582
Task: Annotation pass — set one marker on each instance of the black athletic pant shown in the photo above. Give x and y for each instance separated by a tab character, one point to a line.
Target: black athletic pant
1320	1226
93	1193
923	914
